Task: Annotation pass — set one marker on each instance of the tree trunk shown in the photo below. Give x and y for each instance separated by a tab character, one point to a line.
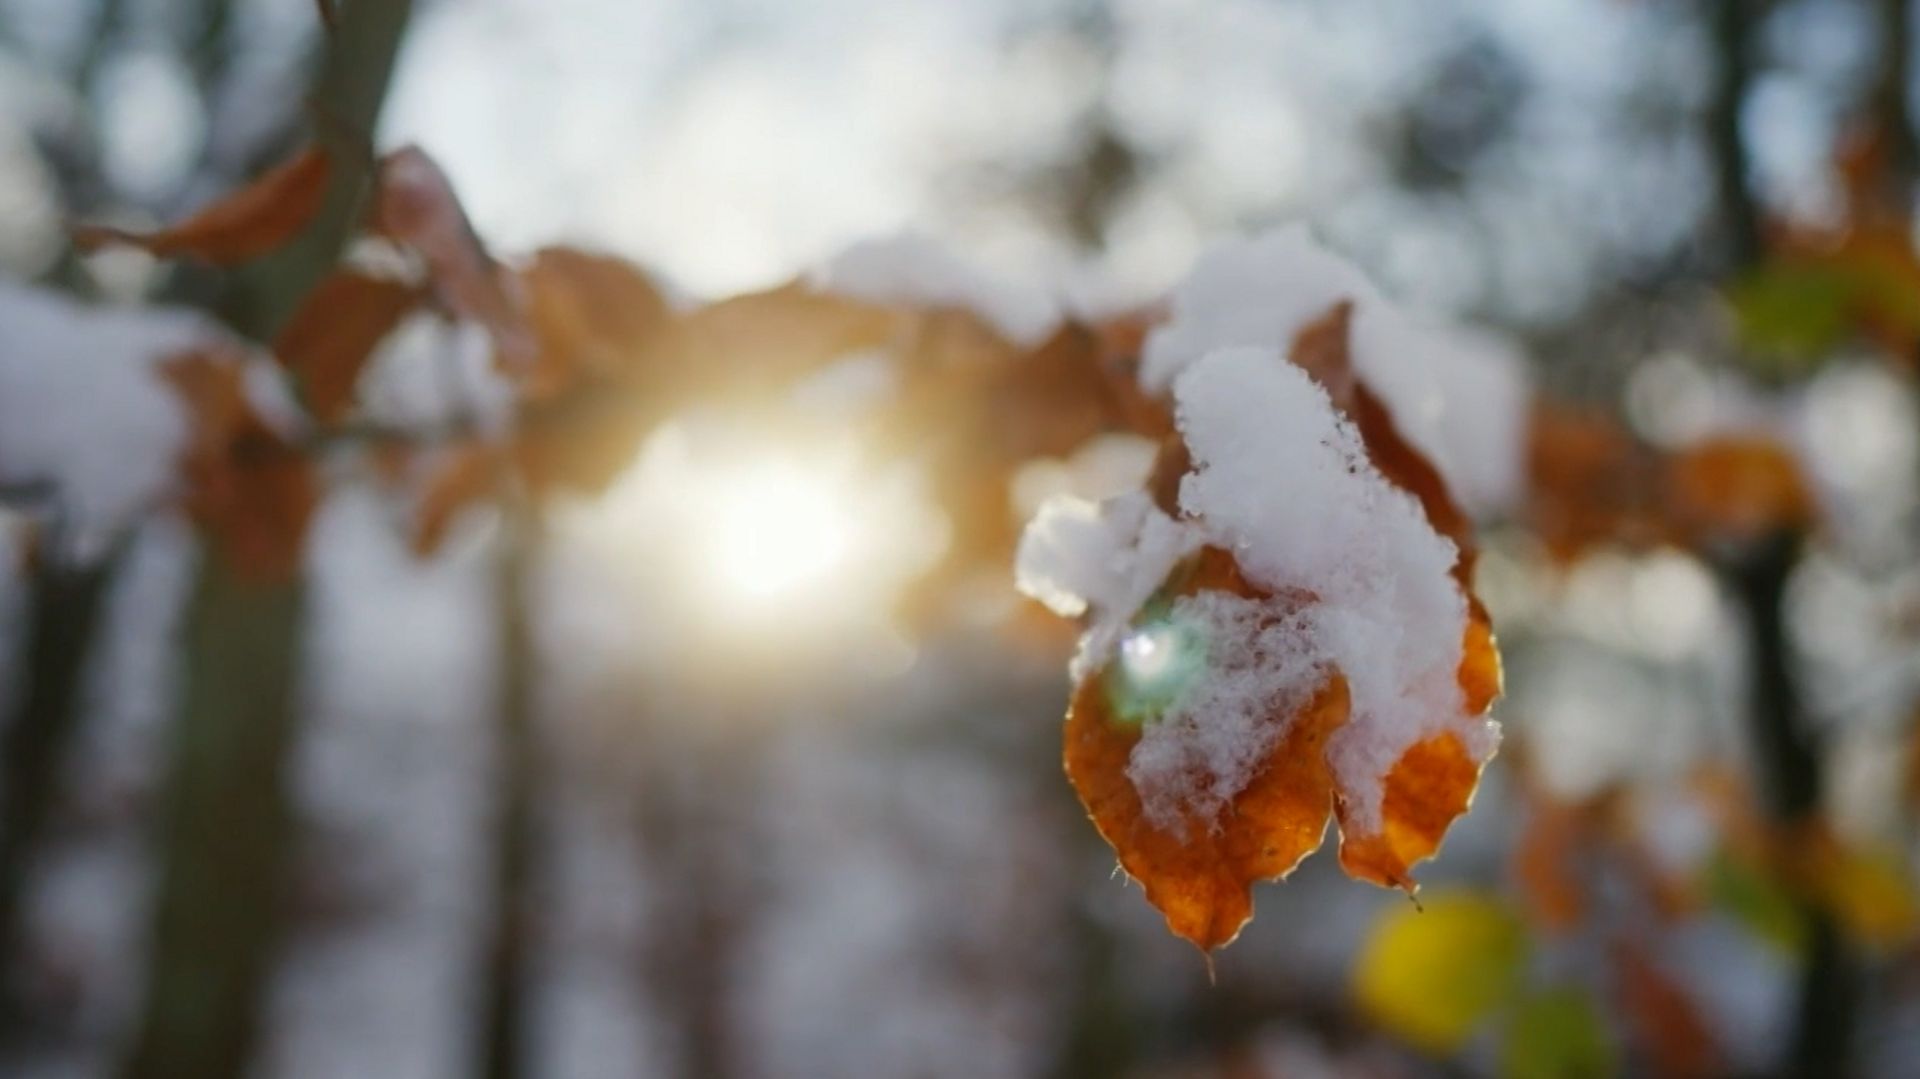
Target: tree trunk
505	1021
1739	216
228	822
64	610
1787	752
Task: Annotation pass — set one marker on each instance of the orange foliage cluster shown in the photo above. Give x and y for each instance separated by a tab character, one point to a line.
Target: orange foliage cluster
597	357
246	484
1590	482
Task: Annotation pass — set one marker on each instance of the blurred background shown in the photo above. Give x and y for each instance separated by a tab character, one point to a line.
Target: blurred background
698	800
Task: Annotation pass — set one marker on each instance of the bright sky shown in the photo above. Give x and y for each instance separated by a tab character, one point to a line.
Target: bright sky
731	143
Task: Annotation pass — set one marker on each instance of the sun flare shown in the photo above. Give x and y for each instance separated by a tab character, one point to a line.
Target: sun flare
772	532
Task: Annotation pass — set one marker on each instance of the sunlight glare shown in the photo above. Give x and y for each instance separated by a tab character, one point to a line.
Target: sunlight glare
775	532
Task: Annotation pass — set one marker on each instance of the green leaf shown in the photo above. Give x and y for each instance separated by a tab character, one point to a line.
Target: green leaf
1758	901
1431	976
1557	1034
1795	311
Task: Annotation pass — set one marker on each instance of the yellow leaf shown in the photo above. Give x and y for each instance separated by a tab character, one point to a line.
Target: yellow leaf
1430	976
1870	894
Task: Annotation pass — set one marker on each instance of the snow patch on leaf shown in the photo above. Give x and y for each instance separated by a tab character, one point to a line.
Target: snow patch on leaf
1107	558
1203	750
1262	290
1284	482
1458	394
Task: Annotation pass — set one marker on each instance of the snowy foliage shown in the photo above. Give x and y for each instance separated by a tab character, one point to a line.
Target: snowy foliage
1109	557
1458	395
1283	482
1358	581
83	408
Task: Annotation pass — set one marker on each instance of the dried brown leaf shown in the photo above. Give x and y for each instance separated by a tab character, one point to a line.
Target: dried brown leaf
415	206
242	225
336	328
250	490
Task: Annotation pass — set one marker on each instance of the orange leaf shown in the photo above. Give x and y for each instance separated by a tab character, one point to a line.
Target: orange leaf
763	341
1588	482
244	224
462	478
1429	786
328	340
250	490
1202	880
1544	860
415	205
1201	875
1737	488
592	315
1666	1022
1434	780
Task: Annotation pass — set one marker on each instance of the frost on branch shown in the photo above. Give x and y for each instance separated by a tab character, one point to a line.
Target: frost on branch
1281	629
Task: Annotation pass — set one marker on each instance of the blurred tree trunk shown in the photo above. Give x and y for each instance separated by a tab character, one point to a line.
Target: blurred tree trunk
1891	106
1788	753
1101	1032
227	822
505	1020
697	813
64	608
1732	30
1787	750
226	830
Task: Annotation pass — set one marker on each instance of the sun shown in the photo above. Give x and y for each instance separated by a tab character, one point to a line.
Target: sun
771	532
737	544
